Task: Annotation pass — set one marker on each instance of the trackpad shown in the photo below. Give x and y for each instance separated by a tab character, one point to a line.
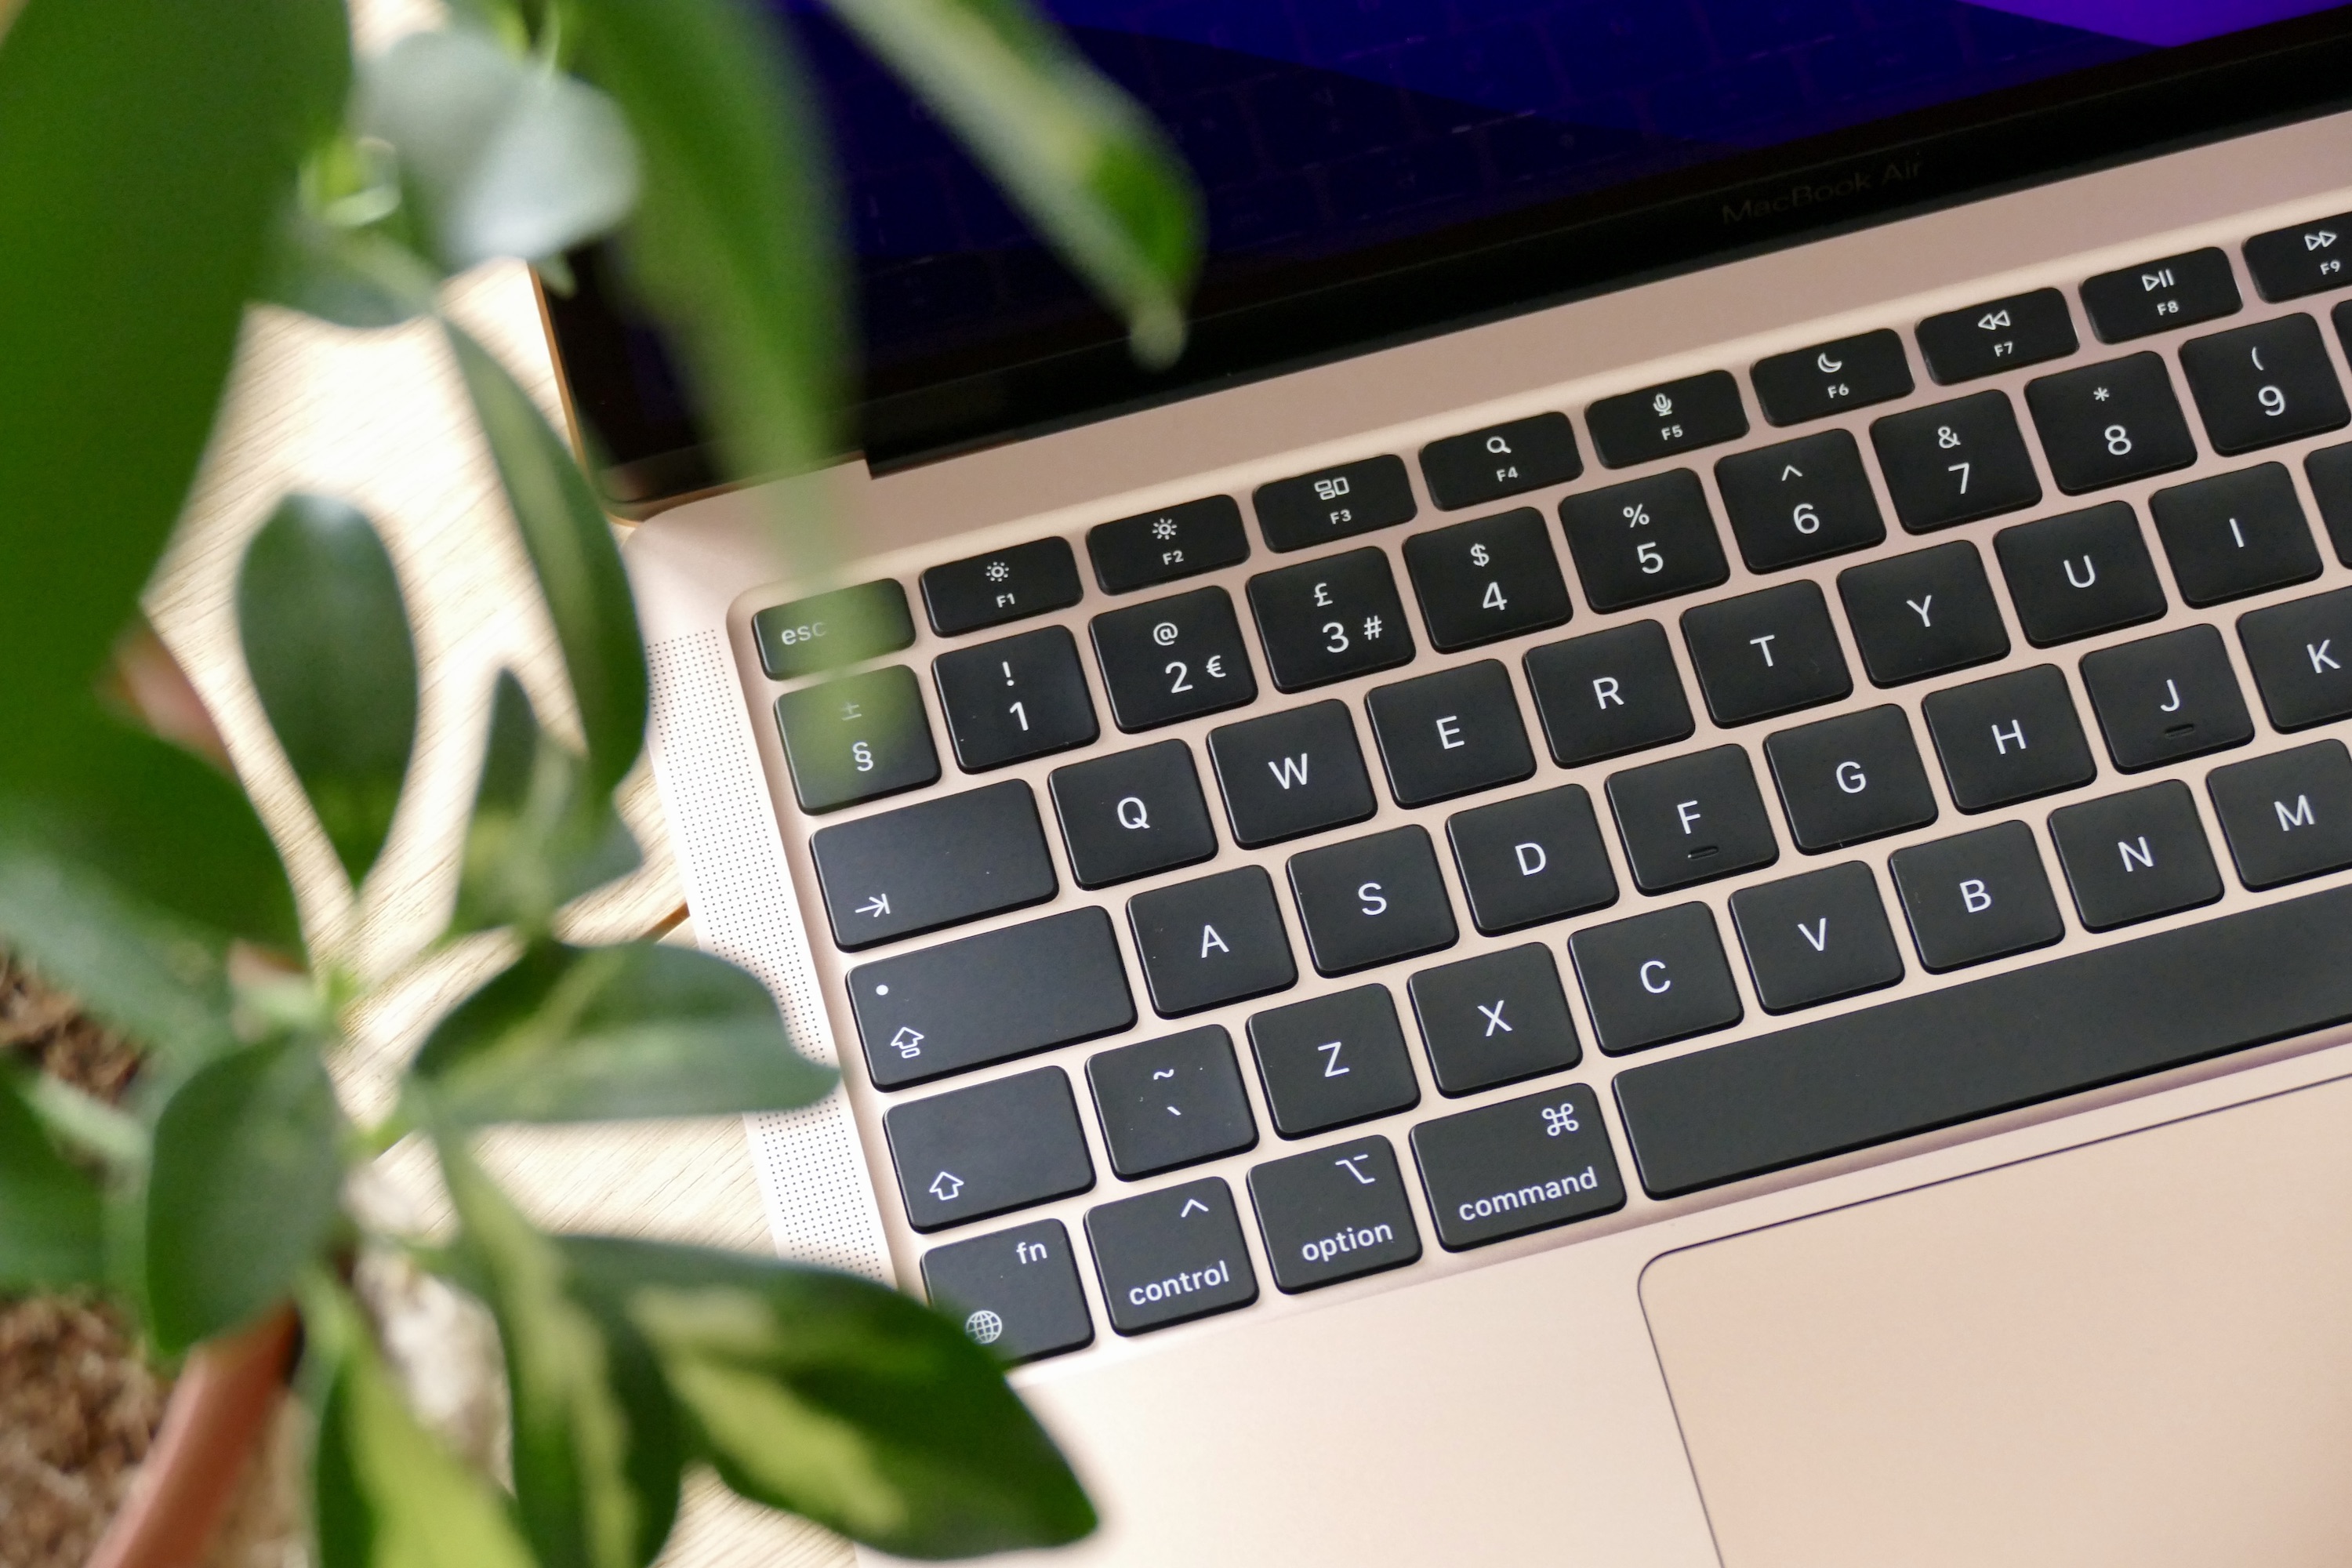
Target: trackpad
2139	1352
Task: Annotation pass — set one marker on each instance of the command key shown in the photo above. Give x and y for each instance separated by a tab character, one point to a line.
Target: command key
1526	1165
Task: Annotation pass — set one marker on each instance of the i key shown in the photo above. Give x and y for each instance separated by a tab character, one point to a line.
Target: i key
1173	658
1327	620
1798	502
1019	698
2235	534
1954	462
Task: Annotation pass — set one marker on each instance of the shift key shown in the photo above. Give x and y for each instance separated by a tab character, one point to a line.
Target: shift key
1526	1165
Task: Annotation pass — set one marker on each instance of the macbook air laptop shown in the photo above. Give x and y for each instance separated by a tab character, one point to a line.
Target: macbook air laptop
1656	866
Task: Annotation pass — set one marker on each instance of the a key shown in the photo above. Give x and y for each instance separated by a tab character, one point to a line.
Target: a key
1829	378
1998	335
1607	694
2258	385
1372	900
2299	653
1691	819
1450	733
1009	700
1654	979
1501	460
2167	696
1536	858
1167	546
2106	424
1332	1061
2158	296
1334	503
2134	855
1285	774
2079	574
827	631
856	737
1171	1256
937	863
1334	1213
1801	500
1478	582
1851	779
1206	943
2288	263
2329	470
1766	653
1976	896
1928	612
1526	1165
1132	814
1017	1291
1493	1019
1326	620
2288	815
2009	739
972	1153
1005	586
2235	534
1662	421
1173	658
1954	462
1646	540
1817	938
1170	1102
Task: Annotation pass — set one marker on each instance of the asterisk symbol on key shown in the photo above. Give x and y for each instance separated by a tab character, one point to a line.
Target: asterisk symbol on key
2098	394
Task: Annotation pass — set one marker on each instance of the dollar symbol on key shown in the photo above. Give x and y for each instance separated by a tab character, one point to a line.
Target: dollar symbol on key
1478	556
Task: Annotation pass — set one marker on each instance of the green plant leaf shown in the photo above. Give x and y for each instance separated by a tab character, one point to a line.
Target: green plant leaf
541	833
243	1190
326	638
572	554
353	278
835	1398
575	1034
52	1223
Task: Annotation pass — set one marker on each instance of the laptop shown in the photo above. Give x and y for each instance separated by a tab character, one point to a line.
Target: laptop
1656	866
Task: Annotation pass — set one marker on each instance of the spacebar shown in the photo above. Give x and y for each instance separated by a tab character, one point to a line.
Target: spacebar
1991	1045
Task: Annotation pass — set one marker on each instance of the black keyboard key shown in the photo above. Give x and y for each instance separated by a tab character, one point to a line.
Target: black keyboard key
857	738
2330	473
1644	540
2134	855
1998	335
2011	738
1005	586
2298	653
1326	620
1526	1165
2235	534
1450	733
1536	858
1332	1061
1607	694
825	631
937	863
2167	696
1173	658
1017	1292
1167	546
1372	900
1478	582
1954	462
2158	296
1830	378
2106	424
1766	653
2079	574
976	1000
1798	502
1662	421
1976	896
1654	979
1171	1256
1924	614
1501	460
1015	699
2261	385
2288	263
1817	938
1207	943
2288	815
1290	774
1493	1019
1335	1214
971	1153
1170	1102
1691	819
1334	503
1851	779
1132	814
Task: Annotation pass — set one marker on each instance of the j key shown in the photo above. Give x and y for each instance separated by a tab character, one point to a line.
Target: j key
1536	858
1450	733
1132	814
1495	1018
1923	613
1607	694
2079	574
2167	696
1327	620
1334	503
1285	774
1692	819
1501	460
1654	979
1526	1165
990	590
1020	698
2235	534
971	1153
1766	653
1998	335
1799	501
1954	462
1171	1256
1817	938
856	737
976	1000
2299	652
1332	1061
2009	739
825	631
2288	263
1173	658
1662	421
934	863
1335	1214
1646	539
1851	779
1976	896
2134	855
2261	385
1372	900
2158	296
2105	424
1206	943
2330	473
1170	1102
1017	1291
2288	815
1167	546
1481	581
1851	373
